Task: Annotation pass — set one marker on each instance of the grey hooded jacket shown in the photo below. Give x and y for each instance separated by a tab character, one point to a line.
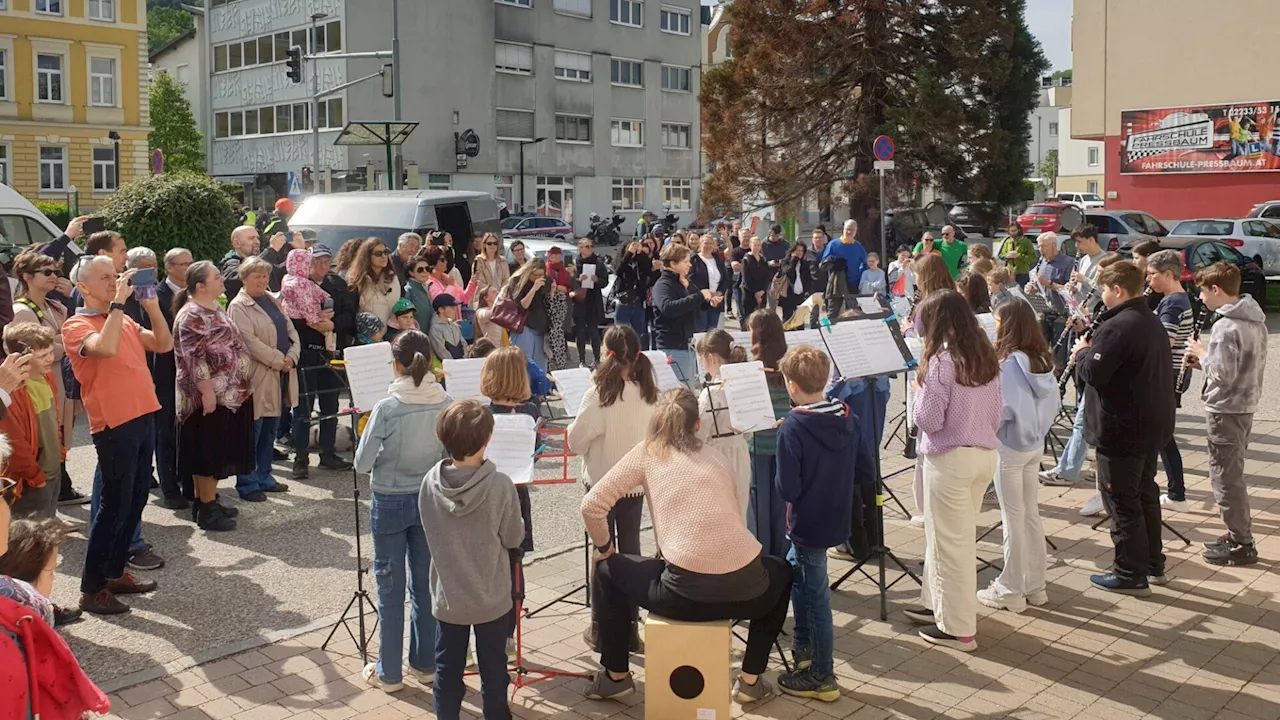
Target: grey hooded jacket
1236	359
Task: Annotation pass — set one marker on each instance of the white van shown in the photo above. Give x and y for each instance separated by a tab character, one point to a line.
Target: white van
1084	201
21	224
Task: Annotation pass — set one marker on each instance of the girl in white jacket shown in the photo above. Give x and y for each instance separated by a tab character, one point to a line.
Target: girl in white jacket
1031	400
716	349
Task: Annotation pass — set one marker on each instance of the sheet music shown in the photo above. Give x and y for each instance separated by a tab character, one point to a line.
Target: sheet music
862	348
462	378
663	373
870	305
916	346
747	393
369	373
589	269
988	323
515	438
572	383
812	338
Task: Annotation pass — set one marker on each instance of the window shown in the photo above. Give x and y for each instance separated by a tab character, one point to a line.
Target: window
675	136
4	67
626	72
49	78
250	53
283	123
678	194
282	45
330	113
628	193
220	58
517	3
1093	160
222	125
333	36
251	122
299	38
438	181
102	10
728	48
51	7
627	12
102	82
574	7
573	128
514	124
513	58
627	133
4	164
301	111
53	168
502	188
1053	129
266	49
573	66
267	120
318	40
1092	186
104	169
553	197
237	123
675	78
235	58
674	20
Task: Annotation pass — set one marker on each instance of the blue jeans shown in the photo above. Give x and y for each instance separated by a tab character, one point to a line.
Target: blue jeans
125	454
491	657
766	512
684	365
811	603
95	502
398	537
633	315
706	319
534	345
1072	459
264	436
1171	458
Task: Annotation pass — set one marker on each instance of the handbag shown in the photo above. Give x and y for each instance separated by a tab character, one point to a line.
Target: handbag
507	313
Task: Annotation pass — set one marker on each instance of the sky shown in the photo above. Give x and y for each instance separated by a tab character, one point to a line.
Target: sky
1050	22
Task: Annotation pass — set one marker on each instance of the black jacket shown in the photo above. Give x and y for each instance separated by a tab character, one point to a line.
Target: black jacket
1128	376
756	274
699	276
674	308
635	275
345	306
793	267
817	273
589	309
164	370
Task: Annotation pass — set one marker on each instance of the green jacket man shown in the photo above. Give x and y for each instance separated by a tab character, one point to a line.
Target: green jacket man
1023	250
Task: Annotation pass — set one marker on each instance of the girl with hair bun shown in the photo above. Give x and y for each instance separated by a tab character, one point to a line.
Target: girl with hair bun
715	350
398	447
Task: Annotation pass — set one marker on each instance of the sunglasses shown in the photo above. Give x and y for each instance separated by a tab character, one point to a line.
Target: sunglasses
491	244
380	253
47	272
421	269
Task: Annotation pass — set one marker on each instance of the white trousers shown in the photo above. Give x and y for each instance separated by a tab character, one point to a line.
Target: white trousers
1018	485
954	483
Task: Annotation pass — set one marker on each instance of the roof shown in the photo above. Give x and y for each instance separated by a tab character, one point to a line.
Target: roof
1184	241
188	34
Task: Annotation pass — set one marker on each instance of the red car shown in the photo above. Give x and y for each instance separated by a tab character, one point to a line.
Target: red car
1045	217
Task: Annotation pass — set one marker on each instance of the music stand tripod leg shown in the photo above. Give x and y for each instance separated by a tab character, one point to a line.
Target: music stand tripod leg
360	597
585	587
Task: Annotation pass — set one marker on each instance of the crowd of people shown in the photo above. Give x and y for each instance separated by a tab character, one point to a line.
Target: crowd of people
216	370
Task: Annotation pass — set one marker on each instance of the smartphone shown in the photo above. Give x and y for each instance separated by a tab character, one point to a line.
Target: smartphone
327	304
145	277
93	224
22	348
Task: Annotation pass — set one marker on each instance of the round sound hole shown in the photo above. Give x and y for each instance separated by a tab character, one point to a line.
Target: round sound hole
686	682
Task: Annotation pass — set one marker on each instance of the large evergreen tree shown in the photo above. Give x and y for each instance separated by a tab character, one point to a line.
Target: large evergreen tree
166	23
812	82
173	126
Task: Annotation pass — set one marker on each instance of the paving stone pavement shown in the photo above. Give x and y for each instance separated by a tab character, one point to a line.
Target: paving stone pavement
1205	646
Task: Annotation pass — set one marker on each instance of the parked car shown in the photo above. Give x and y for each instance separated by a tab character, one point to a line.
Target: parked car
1085	201
1120	230
536	226
1268	209
1199	253
1255	238
978	218
1050	216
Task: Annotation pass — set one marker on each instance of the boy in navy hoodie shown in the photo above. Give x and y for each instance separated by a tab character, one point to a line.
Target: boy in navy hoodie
818	458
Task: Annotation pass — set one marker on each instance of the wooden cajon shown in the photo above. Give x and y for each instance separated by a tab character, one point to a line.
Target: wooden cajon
686	667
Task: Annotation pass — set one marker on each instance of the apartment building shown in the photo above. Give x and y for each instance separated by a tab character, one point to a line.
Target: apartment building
73	97
187	62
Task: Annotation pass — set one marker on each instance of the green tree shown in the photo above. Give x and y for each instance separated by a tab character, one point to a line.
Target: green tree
173	126
166	23
1062	75
173	210
1049	170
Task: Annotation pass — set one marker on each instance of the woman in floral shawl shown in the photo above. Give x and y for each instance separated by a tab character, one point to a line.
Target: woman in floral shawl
215	415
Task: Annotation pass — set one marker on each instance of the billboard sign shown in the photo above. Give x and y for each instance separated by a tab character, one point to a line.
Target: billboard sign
1228	138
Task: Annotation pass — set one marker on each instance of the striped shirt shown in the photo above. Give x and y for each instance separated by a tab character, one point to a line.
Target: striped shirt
824	407
1176	316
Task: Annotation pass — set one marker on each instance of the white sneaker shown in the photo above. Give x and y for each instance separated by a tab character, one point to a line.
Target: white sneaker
1051	477
1036	599
1013	603
1174	505
917	520
371	676
425	678
511	649
1094	507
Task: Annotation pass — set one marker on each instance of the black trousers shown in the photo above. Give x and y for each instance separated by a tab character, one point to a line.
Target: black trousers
172	485
748	306
624	582
1132	497
318	383
584	332
624	530
863	533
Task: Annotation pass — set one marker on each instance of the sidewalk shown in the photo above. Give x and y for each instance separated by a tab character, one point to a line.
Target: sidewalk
1205	646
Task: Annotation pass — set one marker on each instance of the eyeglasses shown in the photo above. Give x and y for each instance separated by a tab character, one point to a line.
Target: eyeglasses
380	253
47	272
6	488
491	244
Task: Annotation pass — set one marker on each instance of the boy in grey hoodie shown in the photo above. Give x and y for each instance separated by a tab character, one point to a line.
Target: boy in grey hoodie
472	520
1234	364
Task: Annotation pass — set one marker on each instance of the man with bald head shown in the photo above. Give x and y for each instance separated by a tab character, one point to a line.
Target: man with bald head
245	243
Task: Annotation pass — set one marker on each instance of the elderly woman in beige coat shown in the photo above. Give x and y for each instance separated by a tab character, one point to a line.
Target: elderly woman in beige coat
273	375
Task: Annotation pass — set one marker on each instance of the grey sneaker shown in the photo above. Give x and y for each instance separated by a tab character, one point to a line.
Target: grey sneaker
603	687
1233	553
802	658
805	684
744	693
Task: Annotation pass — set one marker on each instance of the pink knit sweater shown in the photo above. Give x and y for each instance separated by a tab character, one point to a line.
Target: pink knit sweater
693	499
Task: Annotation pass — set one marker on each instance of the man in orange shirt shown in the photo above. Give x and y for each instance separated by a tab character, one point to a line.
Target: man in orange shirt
108	356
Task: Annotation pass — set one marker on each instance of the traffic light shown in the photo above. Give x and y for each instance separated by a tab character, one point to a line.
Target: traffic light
307	179
294	63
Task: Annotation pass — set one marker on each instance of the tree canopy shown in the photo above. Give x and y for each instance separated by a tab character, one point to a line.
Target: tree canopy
164	23
813	82
173	126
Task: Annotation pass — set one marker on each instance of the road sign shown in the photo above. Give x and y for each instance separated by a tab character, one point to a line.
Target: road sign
883	147
157	162
470	143
883	165
295	186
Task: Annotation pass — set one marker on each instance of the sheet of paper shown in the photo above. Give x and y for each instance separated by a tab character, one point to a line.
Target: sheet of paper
862	348
590	271
572	383
988	323
747	393
369	373
462	378
812	338
916	346
663	371
870	305
515	438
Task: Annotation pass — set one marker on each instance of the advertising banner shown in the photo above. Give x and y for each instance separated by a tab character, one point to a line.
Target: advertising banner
1230	138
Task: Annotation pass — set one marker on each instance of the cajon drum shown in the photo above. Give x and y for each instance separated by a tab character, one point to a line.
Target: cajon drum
686	667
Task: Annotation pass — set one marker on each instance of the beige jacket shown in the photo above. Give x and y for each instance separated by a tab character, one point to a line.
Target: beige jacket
265	361
380	298
485	278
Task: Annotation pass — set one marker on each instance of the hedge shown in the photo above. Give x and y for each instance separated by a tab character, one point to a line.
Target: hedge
173	210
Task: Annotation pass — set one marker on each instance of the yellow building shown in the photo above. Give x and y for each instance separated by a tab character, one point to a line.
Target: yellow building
72	73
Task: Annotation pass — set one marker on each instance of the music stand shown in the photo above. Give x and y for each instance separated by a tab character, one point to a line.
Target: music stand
564	479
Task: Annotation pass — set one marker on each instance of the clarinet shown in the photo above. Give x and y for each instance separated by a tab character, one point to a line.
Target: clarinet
1067	330
1069	370
1196	319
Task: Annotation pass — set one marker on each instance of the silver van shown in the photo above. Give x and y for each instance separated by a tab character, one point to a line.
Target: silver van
339	217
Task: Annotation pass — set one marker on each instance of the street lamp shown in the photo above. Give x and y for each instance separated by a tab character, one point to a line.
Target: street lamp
534	141
115	137
315	92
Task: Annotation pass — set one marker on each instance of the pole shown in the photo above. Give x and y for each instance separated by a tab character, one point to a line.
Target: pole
520	204
117	165
315	110
883	225
391	181
395	65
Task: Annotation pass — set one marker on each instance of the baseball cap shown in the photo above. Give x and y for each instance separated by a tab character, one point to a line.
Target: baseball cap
403	306
444	300
320	250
